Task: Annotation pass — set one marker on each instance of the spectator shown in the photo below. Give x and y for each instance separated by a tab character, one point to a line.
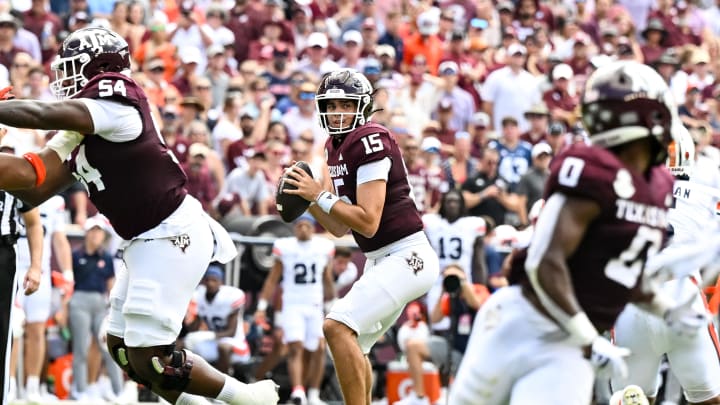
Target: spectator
514	152
463	104
511	90
271	36
158	46
216	74
701	75
417	174
200	182
94	274
27	40
392	37
345	272
461	300
245	191
198	133
532	184
19	71
480	135
278	73
191	59
437	184
45	25
654	35
303	117
8	50
215	18
557	137
559	99
417	97
277	155
174	139
461	165
486	193
37	88
191	109
187	33
315	61
537	116
352	41
424	42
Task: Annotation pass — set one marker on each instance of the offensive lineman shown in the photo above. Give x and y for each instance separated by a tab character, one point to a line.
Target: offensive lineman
116	151
586	257
372	198
693	359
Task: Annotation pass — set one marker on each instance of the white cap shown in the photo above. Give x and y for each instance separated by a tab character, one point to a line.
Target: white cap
516	48
428	23
448	66
97	221
540	148
352	36
190	54
317	39
480	119
385	49
562	71
430	144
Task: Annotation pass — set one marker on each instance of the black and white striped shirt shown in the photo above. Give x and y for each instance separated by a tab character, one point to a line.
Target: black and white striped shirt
9	205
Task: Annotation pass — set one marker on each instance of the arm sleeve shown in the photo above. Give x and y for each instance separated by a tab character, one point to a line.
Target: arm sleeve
376	170
114	121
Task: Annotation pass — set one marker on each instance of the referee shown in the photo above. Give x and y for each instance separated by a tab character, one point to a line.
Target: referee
10	225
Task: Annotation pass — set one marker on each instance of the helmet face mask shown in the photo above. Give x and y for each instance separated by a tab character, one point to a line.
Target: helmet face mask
625	101
344	84
85	54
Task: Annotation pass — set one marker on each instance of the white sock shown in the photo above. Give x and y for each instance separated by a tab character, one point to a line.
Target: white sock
33	384
313	394
230	389
189	399
12	388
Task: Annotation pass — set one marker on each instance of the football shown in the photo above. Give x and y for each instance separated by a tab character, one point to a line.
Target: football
291	206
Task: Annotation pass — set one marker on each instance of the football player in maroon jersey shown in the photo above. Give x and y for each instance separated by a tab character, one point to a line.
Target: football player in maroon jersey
113	147
372	198
605	213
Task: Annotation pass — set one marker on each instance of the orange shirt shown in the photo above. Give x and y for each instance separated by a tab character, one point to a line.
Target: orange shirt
166	52
431	48
480	290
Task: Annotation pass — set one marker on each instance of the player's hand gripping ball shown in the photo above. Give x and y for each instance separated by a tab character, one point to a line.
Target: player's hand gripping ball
291	206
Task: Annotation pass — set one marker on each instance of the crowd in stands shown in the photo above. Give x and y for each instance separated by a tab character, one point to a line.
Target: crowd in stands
479	94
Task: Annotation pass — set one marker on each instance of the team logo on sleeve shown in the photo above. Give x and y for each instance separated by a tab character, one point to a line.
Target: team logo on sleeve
181	241
415	262
623	184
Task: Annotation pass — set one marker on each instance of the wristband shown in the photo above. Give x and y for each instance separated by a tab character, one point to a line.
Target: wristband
326	200
39	167
581	330
69	275
262	304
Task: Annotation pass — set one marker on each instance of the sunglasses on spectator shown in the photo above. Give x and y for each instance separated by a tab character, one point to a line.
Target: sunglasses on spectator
169	116
21	65
491	161
307	95
306	139
158	69
202	87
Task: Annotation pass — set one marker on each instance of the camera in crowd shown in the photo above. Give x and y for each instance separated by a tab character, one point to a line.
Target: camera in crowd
451	284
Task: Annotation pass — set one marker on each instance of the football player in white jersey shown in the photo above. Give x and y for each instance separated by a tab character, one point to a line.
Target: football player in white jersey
694	359
304	262
37	305
220	307
458	240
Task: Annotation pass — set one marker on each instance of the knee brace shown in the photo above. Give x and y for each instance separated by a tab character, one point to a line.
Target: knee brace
175	375
119	353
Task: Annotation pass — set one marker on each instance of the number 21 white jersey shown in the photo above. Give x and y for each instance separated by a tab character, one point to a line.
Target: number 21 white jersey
303	266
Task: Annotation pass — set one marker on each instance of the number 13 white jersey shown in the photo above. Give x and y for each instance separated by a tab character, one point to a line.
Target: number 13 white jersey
303	266
454	242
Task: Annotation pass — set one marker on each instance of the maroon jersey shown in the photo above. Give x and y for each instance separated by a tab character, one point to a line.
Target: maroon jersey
366	144
609	260
135	184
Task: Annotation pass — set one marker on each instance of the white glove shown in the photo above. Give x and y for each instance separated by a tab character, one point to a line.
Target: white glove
685	320
608	359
